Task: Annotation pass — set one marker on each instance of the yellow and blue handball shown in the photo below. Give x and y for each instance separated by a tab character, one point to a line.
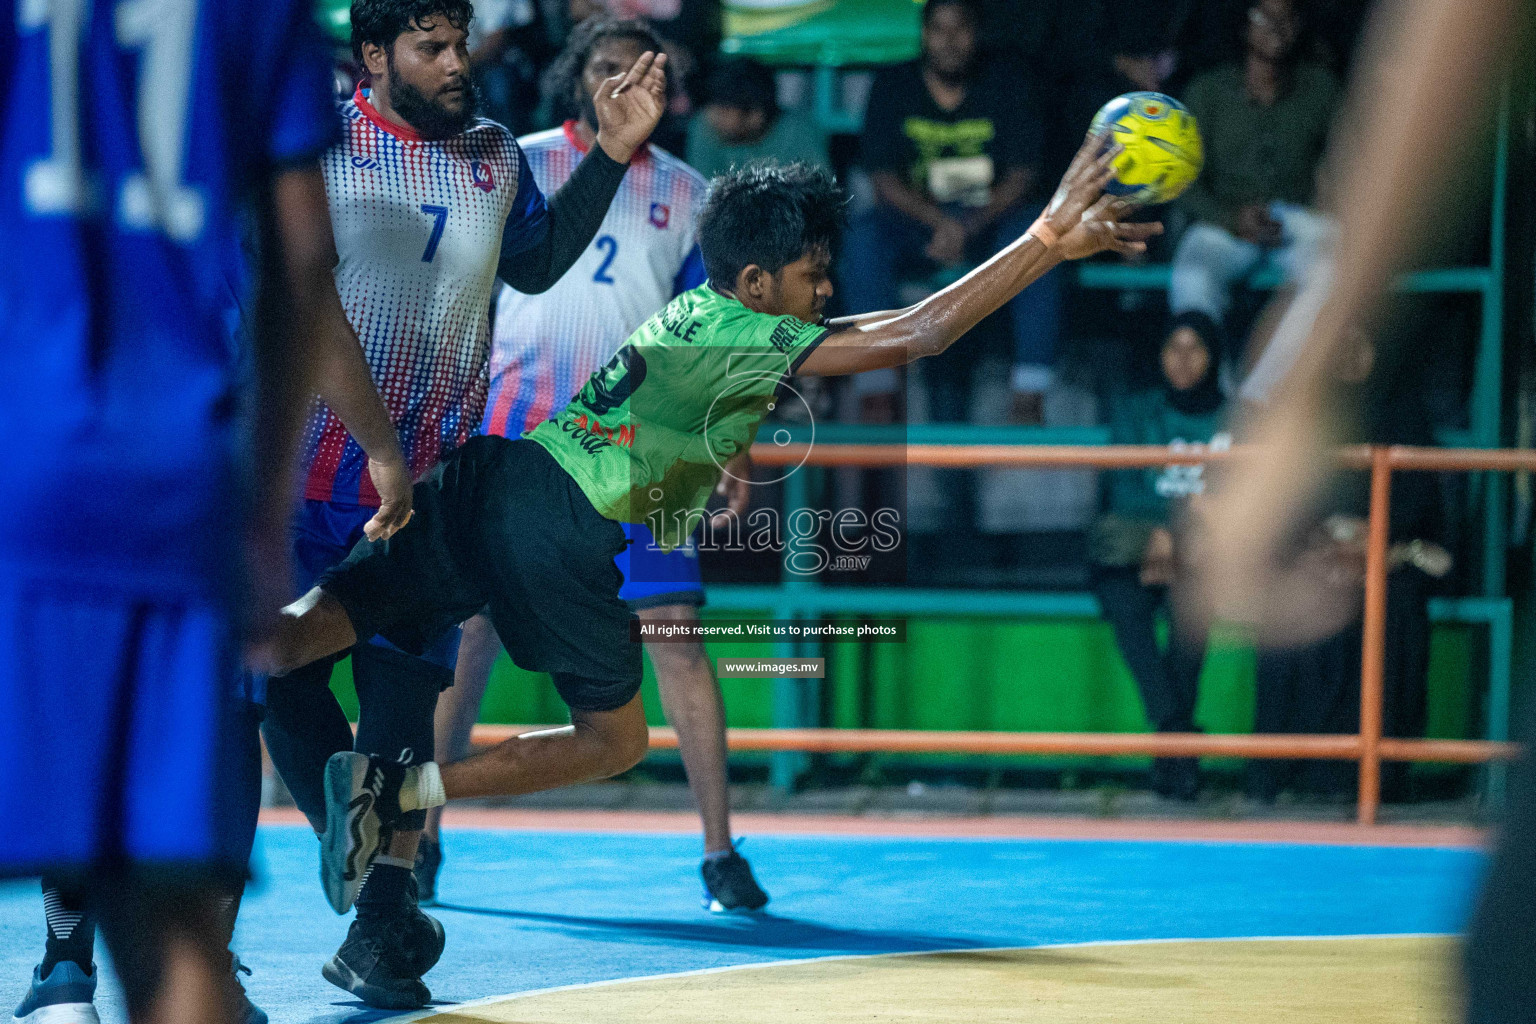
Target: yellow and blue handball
1163	153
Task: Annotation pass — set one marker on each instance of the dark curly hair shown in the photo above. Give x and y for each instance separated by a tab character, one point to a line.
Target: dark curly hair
745	84
381	22
768	214
563	75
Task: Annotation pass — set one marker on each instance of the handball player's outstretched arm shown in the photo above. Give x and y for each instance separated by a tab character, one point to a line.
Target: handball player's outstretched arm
1083	219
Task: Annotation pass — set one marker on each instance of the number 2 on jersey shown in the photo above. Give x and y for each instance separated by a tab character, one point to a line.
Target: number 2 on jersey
440	213
610	246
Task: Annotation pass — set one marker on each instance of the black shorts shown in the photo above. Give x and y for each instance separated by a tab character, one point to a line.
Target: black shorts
500	527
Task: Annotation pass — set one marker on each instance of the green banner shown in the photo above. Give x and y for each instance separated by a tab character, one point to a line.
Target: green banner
825	32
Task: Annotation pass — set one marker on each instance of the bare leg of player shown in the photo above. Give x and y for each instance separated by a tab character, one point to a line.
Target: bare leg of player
193	987
166	943
459	706
690	697
596	745
314	626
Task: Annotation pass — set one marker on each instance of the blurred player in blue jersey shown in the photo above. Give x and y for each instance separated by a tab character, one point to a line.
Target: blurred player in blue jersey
430	205
146	517
544	349
63	984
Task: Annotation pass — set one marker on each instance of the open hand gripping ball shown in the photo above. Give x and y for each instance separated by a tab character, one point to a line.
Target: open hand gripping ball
1163	153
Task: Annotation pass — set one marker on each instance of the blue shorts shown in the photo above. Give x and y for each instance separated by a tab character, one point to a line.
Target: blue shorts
118	725
653	577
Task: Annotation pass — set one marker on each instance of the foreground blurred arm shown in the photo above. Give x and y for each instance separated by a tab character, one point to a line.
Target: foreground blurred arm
1427	74
293	287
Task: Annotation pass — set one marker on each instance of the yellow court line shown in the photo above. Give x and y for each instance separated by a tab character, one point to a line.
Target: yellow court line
454	1010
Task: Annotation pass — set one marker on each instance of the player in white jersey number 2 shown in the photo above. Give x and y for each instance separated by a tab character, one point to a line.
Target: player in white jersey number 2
545	347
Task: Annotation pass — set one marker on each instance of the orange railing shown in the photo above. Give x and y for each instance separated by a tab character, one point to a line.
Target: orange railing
1368	747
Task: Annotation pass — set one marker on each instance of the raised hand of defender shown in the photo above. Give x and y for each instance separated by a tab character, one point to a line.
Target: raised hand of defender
1101	228
629	106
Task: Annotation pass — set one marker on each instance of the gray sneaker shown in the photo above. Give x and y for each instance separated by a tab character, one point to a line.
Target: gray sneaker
246	1012
361	797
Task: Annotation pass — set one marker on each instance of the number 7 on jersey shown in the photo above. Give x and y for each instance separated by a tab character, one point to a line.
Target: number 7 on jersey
440	217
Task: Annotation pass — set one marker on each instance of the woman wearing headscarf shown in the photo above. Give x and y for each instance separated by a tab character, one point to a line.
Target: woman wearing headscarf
1134	544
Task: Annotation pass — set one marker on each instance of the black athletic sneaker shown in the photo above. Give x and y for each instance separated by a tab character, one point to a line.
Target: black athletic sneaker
429	861
362	797
729	885
383	960
421	938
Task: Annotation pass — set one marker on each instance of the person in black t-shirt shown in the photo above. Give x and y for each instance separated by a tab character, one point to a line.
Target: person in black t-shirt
953	147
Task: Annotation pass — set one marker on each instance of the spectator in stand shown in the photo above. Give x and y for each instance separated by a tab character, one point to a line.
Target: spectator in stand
1265	122
508	47
1135	546
953	147
1132	53
741	123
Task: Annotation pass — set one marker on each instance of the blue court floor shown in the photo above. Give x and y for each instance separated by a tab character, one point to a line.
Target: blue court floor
533	910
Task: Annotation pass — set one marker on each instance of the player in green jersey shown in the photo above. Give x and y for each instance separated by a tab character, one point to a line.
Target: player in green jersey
528	528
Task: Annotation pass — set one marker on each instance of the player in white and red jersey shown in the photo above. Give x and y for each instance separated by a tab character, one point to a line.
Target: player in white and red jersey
544	349
429	206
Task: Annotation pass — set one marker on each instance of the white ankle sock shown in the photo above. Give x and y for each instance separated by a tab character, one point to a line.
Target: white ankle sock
422	788
395	862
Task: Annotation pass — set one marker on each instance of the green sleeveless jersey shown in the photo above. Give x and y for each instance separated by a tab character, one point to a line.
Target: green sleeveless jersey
647	436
